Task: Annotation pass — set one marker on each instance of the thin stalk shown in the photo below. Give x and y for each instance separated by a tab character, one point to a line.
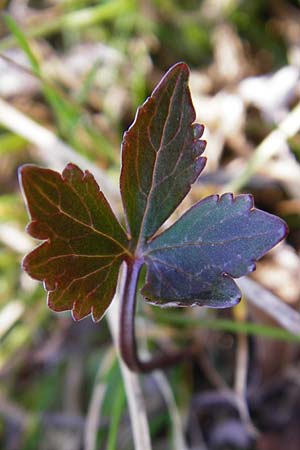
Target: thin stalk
134	395
128	345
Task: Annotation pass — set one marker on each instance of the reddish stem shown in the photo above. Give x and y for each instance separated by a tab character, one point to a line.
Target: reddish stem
128	345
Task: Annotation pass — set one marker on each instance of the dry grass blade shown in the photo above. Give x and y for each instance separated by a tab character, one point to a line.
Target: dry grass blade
284	315
52	150
96	402
268	148
177	426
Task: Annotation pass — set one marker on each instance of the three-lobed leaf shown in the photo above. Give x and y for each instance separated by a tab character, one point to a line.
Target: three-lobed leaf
160	155
85	244
192	262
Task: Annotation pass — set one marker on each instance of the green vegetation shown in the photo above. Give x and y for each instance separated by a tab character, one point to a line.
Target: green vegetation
79	69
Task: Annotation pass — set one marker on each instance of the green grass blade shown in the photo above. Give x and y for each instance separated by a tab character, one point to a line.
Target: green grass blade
68	114
116	414
87	83
10	143
231	326
22	42
74	20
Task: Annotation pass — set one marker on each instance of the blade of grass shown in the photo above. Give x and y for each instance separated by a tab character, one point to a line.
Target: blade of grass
82	18
11	142
66	114
97	397
268	148
176	422
9	315
52	150
116	414
242	370
22	42
69	114
14	238
99	140
231	326
87	83
177	429
263	299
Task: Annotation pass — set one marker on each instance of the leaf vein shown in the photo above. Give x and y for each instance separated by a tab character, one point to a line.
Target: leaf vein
75	280
206	243
107	236
147	206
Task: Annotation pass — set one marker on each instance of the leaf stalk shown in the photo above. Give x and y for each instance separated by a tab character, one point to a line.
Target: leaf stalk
128	342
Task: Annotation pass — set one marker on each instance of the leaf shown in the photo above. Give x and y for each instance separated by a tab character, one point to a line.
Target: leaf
85	244
160	155
193	262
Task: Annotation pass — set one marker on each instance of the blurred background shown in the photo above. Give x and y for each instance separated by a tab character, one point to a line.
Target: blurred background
72	73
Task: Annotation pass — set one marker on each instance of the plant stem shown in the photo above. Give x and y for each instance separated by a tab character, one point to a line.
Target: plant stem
128	345
135	398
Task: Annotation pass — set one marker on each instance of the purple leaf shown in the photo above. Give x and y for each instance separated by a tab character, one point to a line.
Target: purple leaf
160	155
193	262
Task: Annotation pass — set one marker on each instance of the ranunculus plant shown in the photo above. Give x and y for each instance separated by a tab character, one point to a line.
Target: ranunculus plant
193	262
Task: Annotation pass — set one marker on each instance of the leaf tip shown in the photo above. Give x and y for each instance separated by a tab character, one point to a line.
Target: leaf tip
284	229
178	70
76	315
24	172
181	66
70	170
97	315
